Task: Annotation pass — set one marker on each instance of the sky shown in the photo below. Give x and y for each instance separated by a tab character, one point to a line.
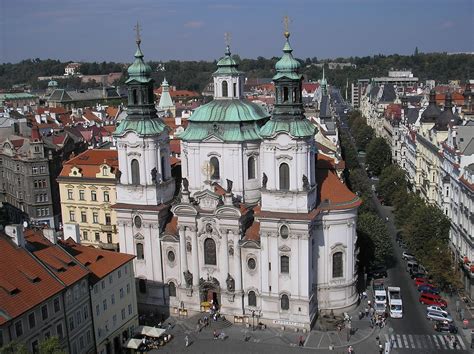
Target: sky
103	30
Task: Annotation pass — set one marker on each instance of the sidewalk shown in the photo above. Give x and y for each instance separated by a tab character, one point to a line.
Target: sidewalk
457	308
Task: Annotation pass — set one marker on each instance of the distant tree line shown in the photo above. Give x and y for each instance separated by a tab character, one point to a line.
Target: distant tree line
194	75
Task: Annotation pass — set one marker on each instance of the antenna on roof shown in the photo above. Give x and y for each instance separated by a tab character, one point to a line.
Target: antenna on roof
227	38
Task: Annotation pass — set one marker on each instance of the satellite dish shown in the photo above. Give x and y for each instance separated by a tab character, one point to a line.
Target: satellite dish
25	224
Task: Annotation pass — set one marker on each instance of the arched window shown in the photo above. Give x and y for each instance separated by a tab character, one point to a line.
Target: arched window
285	94
135	166
172	289
215	168
252	298
225	89
134	96
284	232
285	264
337	265
235	89
105	171
210	252
140	254
251	167
163	168
284	177
285	302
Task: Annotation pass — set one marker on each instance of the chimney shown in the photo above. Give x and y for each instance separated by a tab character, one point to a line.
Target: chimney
51	235
72	230
15	231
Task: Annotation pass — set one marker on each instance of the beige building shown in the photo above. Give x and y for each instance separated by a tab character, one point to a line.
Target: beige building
87	189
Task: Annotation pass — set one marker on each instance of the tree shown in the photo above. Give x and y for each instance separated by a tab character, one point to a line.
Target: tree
363	135
50	346
349	154
14	348
373	241
392	181
378	155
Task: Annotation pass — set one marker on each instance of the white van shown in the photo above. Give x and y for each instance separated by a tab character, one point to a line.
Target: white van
411	264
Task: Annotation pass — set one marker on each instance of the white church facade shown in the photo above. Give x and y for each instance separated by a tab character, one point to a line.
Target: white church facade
259	224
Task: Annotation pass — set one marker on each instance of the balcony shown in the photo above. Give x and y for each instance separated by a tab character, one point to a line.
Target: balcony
108	228
109	246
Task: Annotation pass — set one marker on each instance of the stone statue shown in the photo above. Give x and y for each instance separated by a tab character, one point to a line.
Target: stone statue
305	182
188	277
229	185
154	172
118	174
209	228
264	180
230	283
185	185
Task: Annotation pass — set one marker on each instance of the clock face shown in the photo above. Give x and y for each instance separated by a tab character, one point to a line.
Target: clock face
207	169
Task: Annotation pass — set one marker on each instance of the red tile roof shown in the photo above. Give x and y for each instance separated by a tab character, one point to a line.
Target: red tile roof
55	258
253	232
98	261
89	162
175	146
333	194
172	226
24	282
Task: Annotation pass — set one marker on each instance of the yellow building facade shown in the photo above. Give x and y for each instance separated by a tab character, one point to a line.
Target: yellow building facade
87	190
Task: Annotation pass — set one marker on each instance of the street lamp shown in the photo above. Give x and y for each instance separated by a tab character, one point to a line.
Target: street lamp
253	320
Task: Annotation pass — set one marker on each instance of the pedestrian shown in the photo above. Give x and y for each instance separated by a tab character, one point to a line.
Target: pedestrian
371	312
215	334
301	341
366	312
186	341
364	294
350	350
369	303
361	315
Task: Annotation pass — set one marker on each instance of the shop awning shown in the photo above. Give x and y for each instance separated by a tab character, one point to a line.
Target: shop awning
133	343
150	331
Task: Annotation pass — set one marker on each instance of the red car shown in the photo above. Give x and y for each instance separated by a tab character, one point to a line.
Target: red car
432	299
419	281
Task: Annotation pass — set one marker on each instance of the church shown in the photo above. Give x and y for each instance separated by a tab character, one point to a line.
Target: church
260	225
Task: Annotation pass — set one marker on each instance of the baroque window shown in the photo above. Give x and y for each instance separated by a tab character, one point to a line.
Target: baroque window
284	264
215	167
252	297
140	254
285	302
210	252
251	167
135	166
225	89
337	271
172	289
284	177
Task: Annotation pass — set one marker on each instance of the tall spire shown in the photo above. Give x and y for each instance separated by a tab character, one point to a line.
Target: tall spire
139	70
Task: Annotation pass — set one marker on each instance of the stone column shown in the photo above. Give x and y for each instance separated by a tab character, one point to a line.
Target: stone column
225	265
238	268
195	270
182	253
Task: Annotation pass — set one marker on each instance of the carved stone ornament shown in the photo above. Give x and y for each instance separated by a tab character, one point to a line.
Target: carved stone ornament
230	283
189	247
305	182
154	172
264	180
185	185
188	277
231	250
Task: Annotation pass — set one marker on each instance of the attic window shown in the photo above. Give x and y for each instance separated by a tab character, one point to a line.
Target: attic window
14	291
71	263
99	257
87	263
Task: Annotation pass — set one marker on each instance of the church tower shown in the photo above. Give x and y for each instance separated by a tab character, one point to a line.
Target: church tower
144	183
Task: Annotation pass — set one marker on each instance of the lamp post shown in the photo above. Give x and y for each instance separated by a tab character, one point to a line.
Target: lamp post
253	320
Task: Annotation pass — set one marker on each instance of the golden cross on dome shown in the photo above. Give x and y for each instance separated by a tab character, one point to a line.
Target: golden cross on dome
227	38
286	23
137	30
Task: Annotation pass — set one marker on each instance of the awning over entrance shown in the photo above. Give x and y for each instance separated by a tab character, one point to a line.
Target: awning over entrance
150	331
132	343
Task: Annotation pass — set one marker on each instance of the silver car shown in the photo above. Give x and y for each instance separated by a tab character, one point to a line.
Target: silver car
438	309
438	316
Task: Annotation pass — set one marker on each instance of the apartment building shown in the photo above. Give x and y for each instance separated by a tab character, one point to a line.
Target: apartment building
87	189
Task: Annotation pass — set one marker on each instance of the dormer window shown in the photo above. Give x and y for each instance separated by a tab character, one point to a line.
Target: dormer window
235	89
105	171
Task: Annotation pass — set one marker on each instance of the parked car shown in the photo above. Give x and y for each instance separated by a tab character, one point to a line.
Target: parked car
417	274
432	299
438	316
428	288
408	256
434	308
378	284
378	272
445	327
420	281
411	264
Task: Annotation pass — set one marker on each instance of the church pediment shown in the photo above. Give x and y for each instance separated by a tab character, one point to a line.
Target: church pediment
228	211
184	209
212	139
207	199
285	248
169	238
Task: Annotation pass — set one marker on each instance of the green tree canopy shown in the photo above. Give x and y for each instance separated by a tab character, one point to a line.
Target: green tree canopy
378	156
392	182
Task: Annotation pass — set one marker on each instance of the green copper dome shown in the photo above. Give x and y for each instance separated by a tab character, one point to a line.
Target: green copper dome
139	70
229	111
227	65
142	127
287	66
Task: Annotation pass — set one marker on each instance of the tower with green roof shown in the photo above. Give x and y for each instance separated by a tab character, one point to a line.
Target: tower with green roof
144	183
166	104
288	147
